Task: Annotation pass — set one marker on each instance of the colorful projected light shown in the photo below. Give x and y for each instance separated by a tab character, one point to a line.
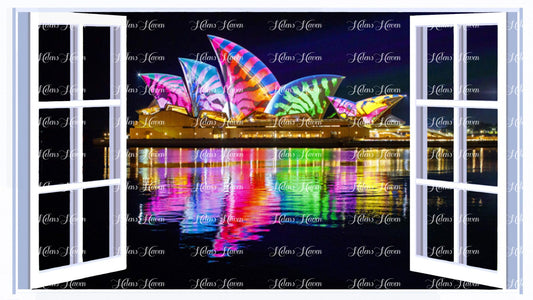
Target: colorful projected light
249	83
205	86
234	196
250	90
305	95
370	109
168	87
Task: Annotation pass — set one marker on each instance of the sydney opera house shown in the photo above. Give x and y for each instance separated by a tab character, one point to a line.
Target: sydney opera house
247	101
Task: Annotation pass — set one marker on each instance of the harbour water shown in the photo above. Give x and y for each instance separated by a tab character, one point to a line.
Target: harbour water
285	218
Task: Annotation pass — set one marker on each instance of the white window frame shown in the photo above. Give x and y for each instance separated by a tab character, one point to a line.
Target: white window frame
29	274
419	261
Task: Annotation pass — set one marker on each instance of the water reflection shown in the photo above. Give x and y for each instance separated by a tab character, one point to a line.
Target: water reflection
233	196
481	164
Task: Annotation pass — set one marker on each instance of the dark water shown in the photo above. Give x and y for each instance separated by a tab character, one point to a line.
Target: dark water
285	218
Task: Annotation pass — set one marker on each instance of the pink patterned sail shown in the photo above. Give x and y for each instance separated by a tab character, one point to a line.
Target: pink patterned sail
344	107
169	87
249	83
370	109
204	85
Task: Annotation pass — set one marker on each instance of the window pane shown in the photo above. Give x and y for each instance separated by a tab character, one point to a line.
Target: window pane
54	63
95	132
96	223
440	223
54	146
96	64
482	230
54	230
440	144
440	63
482	62
482	154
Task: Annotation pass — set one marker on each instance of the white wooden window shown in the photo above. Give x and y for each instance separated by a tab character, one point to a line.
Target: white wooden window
30	274
419	259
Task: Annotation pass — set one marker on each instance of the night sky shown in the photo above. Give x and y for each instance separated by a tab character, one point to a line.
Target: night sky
331	48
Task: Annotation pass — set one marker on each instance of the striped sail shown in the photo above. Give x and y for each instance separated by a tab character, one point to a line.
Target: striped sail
305	95
205	87
370	109
249	83
169	87
344	107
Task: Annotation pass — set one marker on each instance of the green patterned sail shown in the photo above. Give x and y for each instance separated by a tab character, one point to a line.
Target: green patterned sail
305	95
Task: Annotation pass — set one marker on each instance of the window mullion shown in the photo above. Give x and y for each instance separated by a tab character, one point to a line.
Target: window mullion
459	142
79	104
117	149
77	186
469	187
449	103
113	155
76	145
420	133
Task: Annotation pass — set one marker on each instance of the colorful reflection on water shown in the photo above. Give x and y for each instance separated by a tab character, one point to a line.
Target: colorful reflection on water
235	195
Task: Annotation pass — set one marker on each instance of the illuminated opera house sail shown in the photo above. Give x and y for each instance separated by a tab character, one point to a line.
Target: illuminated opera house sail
245	100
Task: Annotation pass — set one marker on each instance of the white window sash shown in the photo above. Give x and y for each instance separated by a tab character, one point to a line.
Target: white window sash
116	260
419	262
